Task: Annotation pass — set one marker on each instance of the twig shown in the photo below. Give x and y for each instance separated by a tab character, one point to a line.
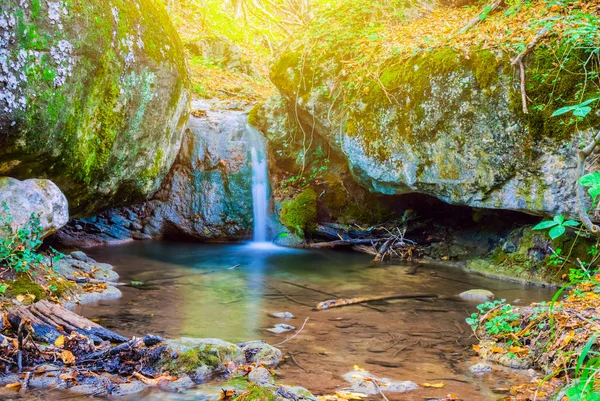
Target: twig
25	383
519	60
296	363
379	389
295	334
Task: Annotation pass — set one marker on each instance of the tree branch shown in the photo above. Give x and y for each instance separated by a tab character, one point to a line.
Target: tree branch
583	154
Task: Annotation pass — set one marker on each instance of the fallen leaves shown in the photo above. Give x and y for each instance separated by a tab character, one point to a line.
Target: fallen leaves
343	396
68	358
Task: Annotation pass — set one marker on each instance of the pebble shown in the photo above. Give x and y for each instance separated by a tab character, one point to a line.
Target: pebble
282	315
281	328
480	368
478	295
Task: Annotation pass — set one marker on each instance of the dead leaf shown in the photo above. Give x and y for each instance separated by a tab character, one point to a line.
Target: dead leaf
67	357
432	385
60	341
13	386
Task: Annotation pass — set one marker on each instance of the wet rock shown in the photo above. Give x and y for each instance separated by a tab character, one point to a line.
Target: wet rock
481	368
358	383
289	240
262	353
101	271
201	358
183	383
260	375
38	197
478	295
207	194
141	236
282	315
281	328
81	256
132	387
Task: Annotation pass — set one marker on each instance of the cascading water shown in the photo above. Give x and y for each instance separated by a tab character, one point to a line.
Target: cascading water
260	185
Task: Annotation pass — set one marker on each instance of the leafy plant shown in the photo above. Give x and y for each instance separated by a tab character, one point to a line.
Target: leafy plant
18	248
558	226
586	385
578	110
592	181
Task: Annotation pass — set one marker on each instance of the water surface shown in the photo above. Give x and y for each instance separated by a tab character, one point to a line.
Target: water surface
227	291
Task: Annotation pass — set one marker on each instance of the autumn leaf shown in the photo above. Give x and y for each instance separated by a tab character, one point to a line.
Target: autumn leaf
60	341
67	357
432	385
13	386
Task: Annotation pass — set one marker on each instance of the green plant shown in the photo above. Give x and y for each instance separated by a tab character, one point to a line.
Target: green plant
558	226
586	384
18	247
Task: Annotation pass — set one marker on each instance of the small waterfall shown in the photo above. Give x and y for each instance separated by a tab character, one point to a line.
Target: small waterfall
260	185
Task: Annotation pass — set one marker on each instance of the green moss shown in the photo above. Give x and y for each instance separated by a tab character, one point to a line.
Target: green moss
24	285
236	382
556	78
257	393
485	66
254	117
300	214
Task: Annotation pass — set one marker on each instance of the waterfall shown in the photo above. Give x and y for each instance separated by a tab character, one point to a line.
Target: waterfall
260	185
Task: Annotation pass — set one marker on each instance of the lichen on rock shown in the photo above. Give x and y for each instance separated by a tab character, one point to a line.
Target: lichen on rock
91	92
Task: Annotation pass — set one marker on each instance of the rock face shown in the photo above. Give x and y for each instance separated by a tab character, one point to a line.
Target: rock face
208	193
445	125
93	95
40	198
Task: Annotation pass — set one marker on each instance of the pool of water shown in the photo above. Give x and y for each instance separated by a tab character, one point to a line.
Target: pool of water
227	291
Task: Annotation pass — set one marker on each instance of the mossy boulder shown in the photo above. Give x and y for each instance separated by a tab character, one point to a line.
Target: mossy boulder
201	358
442	122
94	96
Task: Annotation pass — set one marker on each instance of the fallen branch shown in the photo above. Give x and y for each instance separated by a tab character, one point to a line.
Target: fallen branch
583	154
327	293
519	60
333	244
338	303
490	8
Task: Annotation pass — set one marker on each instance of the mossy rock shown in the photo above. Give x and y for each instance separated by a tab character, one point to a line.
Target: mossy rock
446	123
200	358
98	97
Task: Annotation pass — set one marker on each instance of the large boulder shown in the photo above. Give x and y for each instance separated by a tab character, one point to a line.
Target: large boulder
20	200
444	120
94	95
208	193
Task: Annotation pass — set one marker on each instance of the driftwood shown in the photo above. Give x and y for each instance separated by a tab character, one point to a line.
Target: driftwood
338	303
330	232
349	242
49	321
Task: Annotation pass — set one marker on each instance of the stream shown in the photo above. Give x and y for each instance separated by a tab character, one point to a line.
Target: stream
228	290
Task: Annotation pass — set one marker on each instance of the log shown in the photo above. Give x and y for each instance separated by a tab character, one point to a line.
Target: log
383	251
331	233
49	321
349	242
338	303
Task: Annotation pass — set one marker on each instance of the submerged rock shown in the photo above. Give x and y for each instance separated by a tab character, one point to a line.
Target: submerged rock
480	368
478	295
94	97
359	385
39	198
281	328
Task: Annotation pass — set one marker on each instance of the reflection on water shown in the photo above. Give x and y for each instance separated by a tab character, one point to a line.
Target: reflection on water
227	291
